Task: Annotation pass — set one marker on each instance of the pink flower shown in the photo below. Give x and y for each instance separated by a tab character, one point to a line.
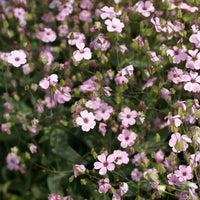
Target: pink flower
54	196
182	139
86	4
78	168
136	175
51	81
103	112
193	61
149	83
145	8
175	75
175	120
86	121
19	13
123	48
139	158
104	164
108	12
177	54
75	38
17	58
67	198
26	69
102	128
173	179
115	25
12	161
165	93
127	138
85	16
33	148
104	185
121	157
159	156
153	56
8	106
4	127
128	117
100	43
193	81
47	35
63	95
186	7
62	30
184	173
82	53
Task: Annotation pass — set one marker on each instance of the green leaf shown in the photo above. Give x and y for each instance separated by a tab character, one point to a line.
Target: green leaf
53	181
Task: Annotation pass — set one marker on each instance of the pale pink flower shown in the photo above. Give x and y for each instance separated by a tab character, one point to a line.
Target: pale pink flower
127	138
107	91
77	169
139	158
50	100
195	39
149	83
66	9
62	30
153	56
17	58
12	161
104	164
54	196
184	173
108	12
136	175
82	53
86	4
175	75
75	38
48	17
121	157
86	120
47	35
63	95
145	8
85	16
156	22
33	148
100	43
102	128
175	120
19	13
104	185
103	112
26	69
192	80
173	179
115	25
128	117
123	48
177	137
67	198
193	61
186	7
159	156
165	93
177	54
8	106
4	127
94	103
51	81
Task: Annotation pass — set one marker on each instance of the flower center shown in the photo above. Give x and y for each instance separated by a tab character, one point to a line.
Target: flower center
17	59
193	80
105	164
86	120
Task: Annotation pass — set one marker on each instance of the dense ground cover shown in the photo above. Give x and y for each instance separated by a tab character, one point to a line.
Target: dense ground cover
99	99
